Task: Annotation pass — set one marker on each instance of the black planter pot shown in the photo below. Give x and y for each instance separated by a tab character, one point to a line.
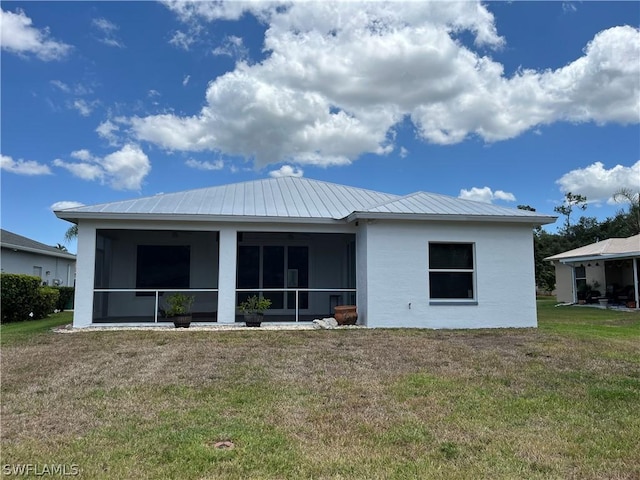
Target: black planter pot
253	319
182	321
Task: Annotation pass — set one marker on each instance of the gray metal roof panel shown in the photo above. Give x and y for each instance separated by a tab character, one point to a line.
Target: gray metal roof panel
290	198
436	204
277	197
13	240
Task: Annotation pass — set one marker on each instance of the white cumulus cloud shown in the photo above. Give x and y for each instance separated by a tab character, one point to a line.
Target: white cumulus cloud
23	167
486	195
19	36
598	183
124	169
286	171
340	76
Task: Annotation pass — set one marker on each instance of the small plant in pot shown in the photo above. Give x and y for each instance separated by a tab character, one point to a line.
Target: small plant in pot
179	309
253	309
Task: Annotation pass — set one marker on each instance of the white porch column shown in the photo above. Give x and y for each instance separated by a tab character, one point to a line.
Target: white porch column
227	275
85	271
636	288
361	274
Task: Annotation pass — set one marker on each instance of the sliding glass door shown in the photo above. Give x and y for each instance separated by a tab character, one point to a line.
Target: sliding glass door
274	266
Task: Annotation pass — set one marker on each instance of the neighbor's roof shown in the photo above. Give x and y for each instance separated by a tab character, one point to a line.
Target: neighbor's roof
610	248
297	199
18	242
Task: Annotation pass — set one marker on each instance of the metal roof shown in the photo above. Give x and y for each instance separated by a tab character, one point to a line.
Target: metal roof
610	248
424	203
277	197
295	199
18	242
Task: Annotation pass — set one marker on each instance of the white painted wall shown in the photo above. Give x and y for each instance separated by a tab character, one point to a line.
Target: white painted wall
396	273
24	262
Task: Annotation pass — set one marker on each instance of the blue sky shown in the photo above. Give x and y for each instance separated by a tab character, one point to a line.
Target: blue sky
505	102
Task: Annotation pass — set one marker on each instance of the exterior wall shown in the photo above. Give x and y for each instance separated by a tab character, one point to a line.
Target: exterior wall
61	269
397	290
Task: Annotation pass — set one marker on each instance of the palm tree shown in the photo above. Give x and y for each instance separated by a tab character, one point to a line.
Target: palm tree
626	195
71	233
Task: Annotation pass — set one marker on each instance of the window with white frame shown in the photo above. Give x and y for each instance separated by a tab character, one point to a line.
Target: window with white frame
451	271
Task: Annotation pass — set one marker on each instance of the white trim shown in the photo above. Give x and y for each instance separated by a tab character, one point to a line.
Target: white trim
454	217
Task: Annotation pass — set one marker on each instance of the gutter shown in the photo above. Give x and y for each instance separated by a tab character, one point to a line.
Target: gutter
68	256
454	217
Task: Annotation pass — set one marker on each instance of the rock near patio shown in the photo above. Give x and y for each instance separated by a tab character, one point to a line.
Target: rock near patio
325	322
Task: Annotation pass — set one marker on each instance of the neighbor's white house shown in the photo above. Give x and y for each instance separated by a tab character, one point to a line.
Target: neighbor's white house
420	260
611	267
26	256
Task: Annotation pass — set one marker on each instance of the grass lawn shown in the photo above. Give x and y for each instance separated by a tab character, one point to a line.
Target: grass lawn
560	401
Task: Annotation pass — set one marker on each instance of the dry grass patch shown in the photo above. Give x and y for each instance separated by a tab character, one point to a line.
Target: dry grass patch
538	403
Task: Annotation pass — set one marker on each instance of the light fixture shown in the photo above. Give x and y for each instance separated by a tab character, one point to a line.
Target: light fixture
597	264
588	264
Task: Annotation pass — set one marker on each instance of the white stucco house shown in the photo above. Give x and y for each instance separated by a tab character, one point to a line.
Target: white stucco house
421	260
26	256
609	267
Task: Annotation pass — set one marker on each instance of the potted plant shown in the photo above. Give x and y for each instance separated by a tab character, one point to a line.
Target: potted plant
179	309
253	309
346	314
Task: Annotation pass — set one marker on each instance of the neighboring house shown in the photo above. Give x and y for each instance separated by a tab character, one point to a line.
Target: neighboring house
420	260
23	255
609	267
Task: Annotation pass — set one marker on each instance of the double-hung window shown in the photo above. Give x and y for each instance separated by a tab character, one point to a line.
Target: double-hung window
451	272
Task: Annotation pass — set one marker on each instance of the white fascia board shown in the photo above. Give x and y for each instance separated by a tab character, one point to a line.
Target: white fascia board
68	256
194	217
534	221
592	258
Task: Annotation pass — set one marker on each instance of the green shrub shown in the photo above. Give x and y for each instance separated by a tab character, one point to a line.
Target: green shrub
23	298
65	299
45	302
18	294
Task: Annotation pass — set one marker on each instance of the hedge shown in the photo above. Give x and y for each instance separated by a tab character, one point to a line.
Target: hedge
23	298
66	298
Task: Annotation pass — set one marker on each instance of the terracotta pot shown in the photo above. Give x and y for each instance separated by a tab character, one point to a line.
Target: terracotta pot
631	304
346	314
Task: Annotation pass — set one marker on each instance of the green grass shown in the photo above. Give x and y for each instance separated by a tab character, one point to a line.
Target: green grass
12	333
560	401
589	322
